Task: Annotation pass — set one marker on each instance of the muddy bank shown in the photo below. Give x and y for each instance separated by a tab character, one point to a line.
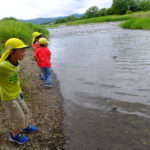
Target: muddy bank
46	107
105	129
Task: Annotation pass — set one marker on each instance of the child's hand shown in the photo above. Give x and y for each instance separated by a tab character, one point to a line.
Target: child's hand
35	58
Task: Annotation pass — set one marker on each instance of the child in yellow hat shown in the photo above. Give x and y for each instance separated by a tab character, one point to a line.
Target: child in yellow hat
43	58
10	92
35	40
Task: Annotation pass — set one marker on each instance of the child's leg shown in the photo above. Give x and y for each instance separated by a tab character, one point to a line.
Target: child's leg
43	73
25	111
28	127
41	76
15	114
48	76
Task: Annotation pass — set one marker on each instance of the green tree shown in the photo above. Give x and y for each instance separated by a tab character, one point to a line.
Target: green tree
144	5
133	5
66	19
92	12
121	6
61	20
102	12
109	11
71	18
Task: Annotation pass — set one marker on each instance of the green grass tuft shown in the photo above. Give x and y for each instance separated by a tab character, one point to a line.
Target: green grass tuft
139	23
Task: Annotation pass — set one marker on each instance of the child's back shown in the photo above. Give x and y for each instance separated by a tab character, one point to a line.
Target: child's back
43	58
43	55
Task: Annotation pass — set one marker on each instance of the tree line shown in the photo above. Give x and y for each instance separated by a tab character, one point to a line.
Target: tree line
118	7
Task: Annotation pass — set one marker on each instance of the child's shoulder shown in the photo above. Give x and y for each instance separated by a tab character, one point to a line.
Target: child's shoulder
47	48
4	64
42	48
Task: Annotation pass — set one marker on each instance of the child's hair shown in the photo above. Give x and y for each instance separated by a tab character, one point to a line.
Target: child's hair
13	51
36	38
42	45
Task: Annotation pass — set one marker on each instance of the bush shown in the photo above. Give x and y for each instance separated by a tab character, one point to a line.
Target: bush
129	11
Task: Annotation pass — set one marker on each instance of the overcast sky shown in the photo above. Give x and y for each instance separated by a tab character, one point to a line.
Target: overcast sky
30	9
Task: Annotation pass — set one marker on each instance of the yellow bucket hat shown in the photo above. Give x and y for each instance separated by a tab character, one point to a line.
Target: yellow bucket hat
34	35
12	43
43	41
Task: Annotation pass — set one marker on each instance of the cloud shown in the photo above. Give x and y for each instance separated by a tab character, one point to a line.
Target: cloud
29	9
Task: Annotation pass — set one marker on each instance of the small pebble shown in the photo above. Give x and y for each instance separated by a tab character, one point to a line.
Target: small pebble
114	108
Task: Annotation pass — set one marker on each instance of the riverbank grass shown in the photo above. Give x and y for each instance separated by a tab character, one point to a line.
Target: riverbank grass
101	19
138	23
95	20
13	28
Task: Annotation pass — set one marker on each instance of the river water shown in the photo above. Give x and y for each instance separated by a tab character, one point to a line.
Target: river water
102	60
95	62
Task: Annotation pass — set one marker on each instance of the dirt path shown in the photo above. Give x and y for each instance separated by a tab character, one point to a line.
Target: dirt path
46	110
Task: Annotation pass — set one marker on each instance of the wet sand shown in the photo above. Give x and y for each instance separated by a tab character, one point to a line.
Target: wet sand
105	129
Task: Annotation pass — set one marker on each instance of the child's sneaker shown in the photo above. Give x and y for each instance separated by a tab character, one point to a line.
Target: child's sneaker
48	85
30	129
20	139
41	77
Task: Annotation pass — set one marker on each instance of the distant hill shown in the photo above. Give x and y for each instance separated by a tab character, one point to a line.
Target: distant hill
46	20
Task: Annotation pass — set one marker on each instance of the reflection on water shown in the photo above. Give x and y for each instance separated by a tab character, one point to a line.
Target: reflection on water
102	60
